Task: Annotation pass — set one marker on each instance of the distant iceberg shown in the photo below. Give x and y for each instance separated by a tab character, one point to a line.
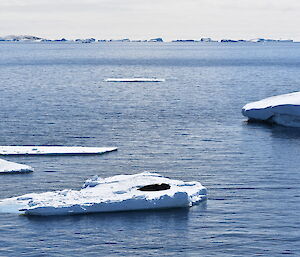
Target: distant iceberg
134	80
53	150
282	109
118	193
159	39
21	38
12	167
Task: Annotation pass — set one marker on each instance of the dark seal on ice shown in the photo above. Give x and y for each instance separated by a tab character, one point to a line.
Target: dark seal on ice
155	187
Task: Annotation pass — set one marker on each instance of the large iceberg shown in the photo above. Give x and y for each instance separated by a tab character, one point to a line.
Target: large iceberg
53	150
118	193
12	167
282	109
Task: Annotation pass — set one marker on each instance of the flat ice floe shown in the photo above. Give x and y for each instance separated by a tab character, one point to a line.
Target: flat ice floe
134	80
112	194
282	109
53	150
12	167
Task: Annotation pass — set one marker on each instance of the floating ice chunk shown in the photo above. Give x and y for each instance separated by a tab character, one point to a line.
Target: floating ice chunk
12	167
282	109
134	80
53	150
117	193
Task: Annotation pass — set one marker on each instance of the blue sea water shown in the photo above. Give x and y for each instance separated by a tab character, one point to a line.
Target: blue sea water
189	127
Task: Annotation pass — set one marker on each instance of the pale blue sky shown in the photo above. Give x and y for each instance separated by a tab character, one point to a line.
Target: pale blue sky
143	19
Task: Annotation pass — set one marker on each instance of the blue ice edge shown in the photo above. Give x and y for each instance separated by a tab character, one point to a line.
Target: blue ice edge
282	110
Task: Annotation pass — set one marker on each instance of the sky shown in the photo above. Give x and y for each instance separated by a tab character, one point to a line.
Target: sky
144	19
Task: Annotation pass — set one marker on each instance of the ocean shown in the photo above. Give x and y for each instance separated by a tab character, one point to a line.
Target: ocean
189	127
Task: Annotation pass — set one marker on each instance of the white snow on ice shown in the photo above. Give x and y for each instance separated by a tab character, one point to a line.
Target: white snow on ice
117	193
12	167
282	109
55	150
134	80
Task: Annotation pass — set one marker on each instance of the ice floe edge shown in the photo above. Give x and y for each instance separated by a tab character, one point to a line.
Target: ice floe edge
7	167
112	194
282	109
54	150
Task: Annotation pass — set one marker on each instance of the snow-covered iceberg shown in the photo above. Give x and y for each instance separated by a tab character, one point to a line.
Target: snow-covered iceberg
12	167
282	109
134	80
53	150
112	194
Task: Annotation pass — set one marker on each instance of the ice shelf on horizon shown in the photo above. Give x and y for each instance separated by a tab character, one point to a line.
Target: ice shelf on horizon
12	167
53	150
282	109
29	38
112	194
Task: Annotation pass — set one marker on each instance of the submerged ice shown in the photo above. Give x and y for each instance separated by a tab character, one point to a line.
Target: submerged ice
117	193
282	109
12	167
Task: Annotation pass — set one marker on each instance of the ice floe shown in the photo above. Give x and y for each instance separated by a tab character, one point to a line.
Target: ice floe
282	109
134	80
12	167
112	194
53	150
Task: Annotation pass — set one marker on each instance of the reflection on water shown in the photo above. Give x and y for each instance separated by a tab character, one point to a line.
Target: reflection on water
286	132
277	131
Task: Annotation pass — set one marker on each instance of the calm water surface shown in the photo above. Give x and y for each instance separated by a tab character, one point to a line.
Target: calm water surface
189	127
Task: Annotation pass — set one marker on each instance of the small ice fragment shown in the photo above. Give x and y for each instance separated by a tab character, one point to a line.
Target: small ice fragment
134	80
53	150
12	167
